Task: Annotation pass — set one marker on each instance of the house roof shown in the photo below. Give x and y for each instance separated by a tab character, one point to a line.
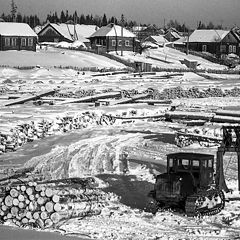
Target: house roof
16	29
67	30
112	30
208	35
159	39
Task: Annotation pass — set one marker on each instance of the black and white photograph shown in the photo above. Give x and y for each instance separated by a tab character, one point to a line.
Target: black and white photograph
119	120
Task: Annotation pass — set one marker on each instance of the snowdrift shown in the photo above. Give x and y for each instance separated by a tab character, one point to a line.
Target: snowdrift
86	157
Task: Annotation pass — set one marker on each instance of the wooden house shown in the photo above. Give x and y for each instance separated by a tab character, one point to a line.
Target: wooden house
159	40
17	36
214	41
143	32
113	38
66	32
172	35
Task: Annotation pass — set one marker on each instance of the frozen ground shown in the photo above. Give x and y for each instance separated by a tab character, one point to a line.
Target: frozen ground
165	57
56	57
95	151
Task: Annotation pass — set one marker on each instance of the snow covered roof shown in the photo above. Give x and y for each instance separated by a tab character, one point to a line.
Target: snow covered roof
16	29
208	35
67	30
159	39
112	30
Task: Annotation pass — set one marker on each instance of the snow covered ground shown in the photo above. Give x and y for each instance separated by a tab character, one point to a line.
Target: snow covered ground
50	57
166	57
95	150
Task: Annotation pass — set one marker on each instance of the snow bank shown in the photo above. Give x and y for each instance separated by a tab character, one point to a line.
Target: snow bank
63	45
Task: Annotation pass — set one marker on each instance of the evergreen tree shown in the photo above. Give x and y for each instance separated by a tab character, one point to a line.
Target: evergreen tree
62	17
104	20
82	19
13	10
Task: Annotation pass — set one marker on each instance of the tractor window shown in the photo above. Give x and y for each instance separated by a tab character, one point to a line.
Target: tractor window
170	162
210	163
195	163
205	164
183	164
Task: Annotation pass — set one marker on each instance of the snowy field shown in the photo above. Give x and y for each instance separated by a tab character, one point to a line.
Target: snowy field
94	150
51	57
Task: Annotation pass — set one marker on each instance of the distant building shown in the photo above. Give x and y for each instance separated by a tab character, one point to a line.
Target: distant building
17	36
159	40
172	35
63	32
111	38
143	32
214	41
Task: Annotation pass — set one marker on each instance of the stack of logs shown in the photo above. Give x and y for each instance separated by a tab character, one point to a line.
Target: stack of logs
178	92
45	204
28	132
77	94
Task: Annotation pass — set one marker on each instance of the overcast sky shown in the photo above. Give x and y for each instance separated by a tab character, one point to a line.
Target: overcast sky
189	12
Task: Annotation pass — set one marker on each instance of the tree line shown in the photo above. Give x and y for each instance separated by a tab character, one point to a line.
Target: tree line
89	19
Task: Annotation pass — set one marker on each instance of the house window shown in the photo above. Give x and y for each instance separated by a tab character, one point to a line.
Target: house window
119	42
14	42
204	48
230	49
234	49
7	42
23	42
113	43
223	48
30	42
127	43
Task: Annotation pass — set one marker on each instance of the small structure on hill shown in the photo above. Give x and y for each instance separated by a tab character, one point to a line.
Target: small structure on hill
142	32
172	35
159	40
113	38
66	32
17	36
214	41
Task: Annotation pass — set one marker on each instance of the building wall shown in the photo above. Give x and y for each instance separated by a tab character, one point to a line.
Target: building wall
109	44
216	48
49	34
18	43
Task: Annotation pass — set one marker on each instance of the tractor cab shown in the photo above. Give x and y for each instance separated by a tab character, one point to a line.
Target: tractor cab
200	166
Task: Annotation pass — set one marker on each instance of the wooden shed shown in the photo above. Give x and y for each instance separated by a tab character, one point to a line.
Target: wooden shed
113	38
17	36
214	41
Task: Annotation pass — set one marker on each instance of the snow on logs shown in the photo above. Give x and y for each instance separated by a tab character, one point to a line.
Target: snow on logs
45	204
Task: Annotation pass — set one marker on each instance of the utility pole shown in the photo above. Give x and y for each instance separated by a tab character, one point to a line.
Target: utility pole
122	23
187	43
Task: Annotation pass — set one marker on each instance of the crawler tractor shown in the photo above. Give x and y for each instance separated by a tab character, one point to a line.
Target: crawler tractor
188	183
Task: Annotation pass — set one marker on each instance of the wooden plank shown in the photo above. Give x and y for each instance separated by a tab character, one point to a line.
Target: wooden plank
140	117
27	98
56	98
228	113
226	119
128	100
92	98
189	115
152	101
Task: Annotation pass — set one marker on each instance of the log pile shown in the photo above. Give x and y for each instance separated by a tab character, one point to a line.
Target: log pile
76	94
27	132
45	204
204	136
194	92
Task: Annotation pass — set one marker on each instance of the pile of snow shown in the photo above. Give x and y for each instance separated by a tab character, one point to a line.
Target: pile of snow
78	45
63	45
